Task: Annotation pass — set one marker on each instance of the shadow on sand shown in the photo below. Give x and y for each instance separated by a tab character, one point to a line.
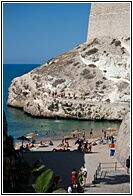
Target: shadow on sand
116	179
62	163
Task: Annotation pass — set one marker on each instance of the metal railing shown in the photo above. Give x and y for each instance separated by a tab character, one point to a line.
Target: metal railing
114	165
100	169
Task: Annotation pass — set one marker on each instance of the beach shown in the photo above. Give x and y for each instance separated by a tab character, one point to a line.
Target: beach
55	142
63	162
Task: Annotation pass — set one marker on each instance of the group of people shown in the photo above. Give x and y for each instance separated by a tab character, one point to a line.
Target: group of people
26	147
78	180
47	134
83	145
30	145
83	133
64	144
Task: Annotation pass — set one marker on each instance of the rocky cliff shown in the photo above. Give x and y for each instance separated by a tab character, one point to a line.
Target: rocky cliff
123	140
91	81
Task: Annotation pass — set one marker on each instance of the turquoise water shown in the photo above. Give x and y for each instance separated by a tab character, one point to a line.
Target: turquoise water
19	123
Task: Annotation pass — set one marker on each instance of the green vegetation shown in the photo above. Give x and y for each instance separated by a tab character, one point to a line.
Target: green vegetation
42	182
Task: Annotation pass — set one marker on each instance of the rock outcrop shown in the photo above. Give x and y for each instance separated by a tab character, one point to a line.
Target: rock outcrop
92	81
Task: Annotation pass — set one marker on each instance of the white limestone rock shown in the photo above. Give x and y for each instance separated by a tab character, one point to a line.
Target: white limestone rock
92	81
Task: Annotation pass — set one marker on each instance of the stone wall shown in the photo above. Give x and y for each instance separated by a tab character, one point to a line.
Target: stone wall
109	19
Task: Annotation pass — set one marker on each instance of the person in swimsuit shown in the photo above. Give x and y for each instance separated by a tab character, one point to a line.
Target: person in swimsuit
91	134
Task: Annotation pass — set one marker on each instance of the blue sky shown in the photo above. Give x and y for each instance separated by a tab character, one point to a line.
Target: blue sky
36	32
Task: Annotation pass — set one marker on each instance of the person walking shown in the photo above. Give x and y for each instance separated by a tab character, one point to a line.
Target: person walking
84	174
128	164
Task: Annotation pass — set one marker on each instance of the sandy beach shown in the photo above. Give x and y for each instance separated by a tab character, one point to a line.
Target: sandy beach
56	142
62	164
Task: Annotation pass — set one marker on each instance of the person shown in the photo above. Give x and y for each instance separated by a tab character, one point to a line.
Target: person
80	179
94	143
83	147
27	148
80	189
84	174
56	179
91	134
80	145
101	140
73	134
60	150
83	133
21	148
112	139
74	177
104	134
51	143
112	145
70	188
77	141
66	144
54	185
30	145
62	143
33	141
86	146
89	147
128	164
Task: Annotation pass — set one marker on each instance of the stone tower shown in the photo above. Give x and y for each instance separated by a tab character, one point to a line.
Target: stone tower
109	19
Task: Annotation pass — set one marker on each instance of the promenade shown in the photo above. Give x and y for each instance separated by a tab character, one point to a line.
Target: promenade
62	163
115	181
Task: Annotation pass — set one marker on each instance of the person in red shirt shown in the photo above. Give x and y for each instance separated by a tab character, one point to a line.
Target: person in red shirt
74	177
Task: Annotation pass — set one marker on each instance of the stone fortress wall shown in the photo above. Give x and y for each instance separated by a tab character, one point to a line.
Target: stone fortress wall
109	19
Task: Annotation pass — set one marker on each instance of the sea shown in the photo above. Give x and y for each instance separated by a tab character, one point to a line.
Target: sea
21	123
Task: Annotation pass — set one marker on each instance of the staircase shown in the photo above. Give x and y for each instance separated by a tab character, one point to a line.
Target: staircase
109	180
107	172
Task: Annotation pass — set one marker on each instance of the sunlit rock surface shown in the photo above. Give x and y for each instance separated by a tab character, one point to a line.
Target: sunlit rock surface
92	81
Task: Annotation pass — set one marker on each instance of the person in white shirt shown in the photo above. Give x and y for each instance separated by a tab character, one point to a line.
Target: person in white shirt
70	188
84	174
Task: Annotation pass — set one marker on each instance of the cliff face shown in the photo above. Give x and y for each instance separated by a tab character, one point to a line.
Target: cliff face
123	140
109	19
92	81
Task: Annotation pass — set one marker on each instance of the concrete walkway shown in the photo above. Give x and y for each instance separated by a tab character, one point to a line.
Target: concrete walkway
115	181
